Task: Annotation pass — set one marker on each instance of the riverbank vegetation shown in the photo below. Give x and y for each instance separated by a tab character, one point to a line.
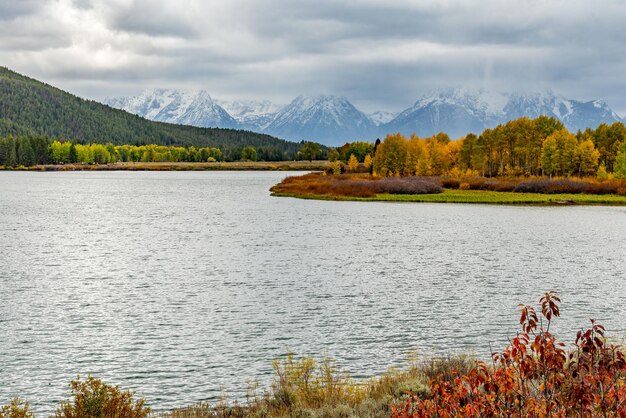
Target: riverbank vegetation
30	151
444	189
523	158
535	375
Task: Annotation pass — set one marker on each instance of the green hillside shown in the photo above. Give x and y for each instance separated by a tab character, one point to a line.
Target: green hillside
30	107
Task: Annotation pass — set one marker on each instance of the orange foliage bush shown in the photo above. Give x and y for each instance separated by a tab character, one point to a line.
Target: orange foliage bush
535	376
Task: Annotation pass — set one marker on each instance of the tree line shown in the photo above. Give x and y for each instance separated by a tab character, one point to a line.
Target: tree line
39	150
521	147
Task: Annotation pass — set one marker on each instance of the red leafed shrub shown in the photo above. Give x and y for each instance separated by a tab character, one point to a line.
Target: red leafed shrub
535	376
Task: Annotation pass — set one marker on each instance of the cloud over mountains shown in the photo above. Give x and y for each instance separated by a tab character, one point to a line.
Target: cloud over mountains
381	54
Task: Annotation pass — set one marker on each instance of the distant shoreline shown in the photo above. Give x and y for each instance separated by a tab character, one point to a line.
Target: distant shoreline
184	166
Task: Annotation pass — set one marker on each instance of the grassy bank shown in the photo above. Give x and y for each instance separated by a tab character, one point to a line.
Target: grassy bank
478	196
365	188
184	166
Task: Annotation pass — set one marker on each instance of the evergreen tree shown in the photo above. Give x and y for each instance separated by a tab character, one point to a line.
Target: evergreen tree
73	156
10	159
25	153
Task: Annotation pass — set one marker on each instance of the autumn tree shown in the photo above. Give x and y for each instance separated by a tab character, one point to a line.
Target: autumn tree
367	162
467	148
453	154
587	157
337	167
607	139
602	174
353	163
391	156
620	162
559	153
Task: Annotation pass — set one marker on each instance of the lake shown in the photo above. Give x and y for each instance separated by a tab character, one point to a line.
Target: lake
183	285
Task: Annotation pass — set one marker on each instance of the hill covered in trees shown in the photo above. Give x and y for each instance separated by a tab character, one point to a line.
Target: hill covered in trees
31	108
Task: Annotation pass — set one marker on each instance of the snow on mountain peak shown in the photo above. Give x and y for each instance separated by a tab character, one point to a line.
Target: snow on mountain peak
481	103
333	120
380	117
195	108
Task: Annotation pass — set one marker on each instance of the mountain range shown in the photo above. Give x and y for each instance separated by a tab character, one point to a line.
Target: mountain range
333	120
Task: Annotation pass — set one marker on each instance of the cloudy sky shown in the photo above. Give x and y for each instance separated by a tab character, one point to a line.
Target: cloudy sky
381	54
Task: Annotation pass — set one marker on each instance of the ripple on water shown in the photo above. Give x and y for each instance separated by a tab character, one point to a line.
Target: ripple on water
184	285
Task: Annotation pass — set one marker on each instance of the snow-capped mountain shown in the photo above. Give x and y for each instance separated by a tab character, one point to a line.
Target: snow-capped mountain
454	111
332	120
574	114
251	114
459	111
381	117
176	106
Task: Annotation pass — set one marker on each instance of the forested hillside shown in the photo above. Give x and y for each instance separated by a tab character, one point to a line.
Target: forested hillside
29	107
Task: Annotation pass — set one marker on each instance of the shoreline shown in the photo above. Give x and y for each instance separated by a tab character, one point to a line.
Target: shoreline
476	197
184	166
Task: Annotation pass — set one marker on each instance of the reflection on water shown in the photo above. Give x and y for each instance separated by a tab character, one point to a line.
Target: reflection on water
184	285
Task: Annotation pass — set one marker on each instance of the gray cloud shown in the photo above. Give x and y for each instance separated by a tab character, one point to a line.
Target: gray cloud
380	54
12	9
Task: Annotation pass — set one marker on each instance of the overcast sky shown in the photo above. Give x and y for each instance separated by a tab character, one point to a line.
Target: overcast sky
381	54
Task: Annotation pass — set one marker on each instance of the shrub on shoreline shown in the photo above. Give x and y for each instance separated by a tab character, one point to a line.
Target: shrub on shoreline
535	375
94	399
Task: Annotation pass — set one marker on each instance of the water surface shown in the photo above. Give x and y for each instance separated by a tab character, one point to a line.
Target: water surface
182	285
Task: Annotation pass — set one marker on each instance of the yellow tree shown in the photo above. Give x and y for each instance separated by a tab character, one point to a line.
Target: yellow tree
417	156
438	158
587	157
367	163
559	153
453	154
391	156
353	163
